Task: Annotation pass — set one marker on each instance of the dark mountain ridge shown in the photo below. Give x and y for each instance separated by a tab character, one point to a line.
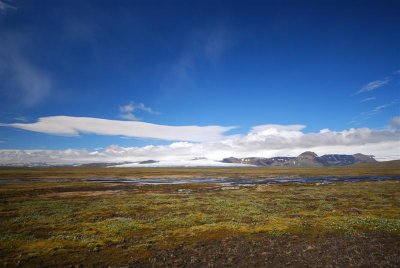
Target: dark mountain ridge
306	159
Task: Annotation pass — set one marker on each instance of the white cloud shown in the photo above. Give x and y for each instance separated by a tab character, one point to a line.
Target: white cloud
368	99
73	126
262	141
5	6
127	111
373	85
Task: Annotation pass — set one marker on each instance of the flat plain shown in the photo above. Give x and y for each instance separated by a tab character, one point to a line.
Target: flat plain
57	223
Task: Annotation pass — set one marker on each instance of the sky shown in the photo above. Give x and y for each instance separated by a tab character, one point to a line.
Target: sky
85	81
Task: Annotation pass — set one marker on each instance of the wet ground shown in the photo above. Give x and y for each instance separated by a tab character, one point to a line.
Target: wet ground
218	181
248	181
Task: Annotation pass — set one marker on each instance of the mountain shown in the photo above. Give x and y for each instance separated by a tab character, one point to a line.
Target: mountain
147	162
306	159
344	160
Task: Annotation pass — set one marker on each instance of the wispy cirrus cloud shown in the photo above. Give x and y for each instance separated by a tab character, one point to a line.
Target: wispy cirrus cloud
4	6
373	85
127	111
21	118
368	99
216	43
74	126
20	78
379	108
356	120
206	46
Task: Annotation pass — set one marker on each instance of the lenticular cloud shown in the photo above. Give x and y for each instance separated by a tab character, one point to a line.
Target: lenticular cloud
73	126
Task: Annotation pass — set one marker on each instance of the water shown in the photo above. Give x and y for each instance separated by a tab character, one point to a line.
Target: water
244	181
220	181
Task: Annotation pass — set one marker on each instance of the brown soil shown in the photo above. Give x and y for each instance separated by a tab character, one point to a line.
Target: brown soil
85	193
372	250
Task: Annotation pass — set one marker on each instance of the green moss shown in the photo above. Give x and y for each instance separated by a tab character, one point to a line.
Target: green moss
36	224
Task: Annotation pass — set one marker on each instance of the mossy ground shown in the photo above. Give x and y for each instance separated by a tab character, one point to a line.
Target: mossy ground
42	225
389	168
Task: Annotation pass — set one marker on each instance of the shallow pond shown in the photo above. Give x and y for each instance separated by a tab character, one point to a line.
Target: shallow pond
221	181
246	181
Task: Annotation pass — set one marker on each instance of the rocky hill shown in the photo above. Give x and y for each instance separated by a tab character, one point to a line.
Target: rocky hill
306	159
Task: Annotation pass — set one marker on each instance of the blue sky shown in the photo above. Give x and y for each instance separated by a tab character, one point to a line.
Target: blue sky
323	64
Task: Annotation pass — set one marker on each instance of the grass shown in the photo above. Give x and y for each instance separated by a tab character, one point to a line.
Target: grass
390	168
38	225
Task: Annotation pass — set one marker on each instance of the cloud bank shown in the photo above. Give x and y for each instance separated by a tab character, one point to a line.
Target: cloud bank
73	126
261	141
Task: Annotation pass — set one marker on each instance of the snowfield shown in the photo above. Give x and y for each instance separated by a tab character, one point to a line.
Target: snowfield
185	163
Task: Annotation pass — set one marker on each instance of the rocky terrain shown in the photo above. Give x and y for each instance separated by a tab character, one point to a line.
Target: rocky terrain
306	159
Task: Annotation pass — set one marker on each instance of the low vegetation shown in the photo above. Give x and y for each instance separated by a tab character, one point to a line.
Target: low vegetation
389	168
64	223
